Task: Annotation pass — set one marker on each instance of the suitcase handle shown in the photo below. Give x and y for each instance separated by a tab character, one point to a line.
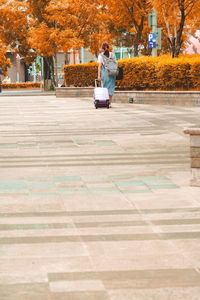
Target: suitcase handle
96	84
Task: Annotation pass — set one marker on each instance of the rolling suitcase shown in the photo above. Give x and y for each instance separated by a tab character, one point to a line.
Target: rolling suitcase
101	96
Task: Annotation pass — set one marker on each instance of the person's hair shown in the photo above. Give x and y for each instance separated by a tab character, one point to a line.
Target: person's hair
106	53
105	47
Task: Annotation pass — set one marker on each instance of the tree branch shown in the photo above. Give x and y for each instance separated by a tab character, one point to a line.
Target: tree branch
189	9
167	26
131	14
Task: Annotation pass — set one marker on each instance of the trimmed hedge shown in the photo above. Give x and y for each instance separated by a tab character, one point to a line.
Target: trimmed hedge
80	75
145	73
22	85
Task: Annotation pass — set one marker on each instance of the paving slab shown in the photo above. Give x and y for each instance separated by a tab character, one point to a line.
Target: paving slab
97	204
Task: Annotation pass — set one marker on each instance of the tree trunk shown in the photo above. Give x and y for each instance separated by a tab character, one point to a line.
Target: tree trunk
26	74
49	73
179	40
178	48
56	68
138	36
172	46
67	59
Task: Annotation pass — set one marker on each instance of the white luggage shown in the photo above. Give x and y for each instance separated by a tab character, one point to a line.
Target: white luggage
101	96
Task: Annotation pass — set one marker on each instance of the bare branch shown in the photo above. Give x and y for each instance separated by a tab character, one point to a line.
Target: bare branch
131	13
167	25
189	9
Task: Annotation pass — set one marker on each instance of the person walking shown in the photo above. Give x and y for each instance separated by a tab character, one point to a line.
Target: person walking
108	81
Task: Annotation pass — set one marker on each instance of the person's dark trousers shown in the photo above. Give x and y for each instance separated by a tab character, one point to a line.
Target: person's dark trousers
0	86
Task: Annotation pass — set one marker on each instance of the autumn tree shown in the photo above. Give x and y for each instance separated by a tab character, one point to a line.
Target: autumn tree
179	17
14	28
60	25
39	36
74	20
78	23
97	38
127	20
4	62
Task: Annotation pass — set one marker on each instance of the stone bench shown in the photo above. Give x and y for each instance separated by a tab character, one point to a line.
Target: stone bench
180	98
194	154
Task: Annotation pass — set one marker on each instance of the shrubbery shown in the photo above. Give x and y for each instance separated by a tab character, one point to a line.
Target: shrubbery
22	85
145	73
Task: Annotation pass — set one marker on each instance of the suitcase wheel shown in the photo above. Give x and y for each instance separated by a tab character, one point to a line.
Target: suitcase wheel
96	102
108	103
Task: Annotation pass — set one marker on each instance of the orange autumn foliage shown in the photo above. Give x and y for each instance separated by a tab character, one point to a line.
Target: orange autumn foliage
76	23
62	25
22	85
14	28
179	19
48	26
39	34
4	62
128	21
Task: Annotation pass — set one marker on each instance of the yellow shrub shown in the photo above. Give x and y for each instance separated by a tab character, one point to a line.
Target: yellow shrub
174	73
145	73
139	74
22	85
81	74
195	72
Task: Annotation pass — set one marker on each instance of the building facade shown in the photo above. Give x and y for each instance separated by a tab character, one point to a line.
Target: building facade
18	71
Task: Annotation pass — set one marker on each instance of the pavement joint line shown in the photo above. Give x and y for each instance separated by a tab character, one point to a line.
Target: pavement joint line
47	164
126	274
101	212
98	155
87	158
103	224
163	236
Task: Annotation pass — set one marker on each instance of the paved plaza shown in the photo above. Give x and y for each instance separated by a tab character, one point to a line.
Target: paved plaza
97	204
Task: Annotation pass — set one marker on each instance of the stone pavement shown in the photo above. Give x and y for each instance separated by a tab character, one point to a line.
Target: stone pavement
97	204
